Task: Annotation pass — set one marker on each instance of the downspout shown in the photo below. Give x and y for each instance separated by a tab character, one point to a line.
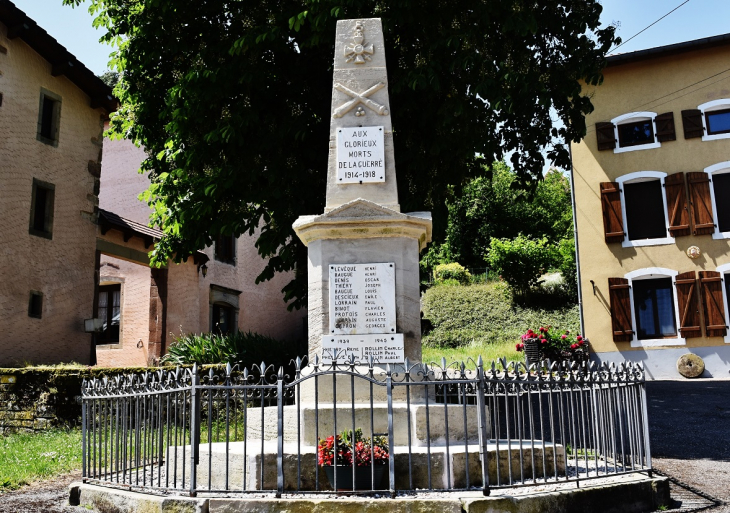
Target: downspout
575	237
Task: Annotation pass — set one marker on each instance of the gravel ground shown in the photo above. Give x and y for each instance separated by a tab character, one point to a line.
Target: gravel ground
690	436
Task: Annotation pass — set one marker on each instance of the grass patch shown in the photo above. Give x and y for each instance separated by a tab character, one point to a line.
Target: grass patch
28	457
488	352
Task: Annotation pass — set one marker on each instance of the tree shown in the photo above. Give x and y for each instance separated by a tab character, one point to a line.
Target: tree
110	78
231	101
494	207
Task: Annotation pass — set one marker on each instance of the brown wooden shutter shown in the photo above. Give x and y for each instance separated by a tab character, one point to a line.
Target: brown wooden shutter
665	127
677	212
620	295
699	195
714	306
692	123
613	219
689	305
606	136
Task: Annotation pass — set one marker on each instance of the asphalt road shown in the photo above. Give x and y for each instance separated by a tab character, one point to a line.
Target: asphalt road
689	428
689	419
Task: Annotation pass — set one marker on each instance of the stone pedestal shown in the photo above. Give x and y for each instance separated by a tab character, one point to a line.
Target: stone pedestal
362	232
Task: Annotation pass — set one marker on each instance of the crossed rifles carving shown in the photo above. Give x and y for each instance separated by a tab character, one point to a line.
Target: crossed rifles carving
358	98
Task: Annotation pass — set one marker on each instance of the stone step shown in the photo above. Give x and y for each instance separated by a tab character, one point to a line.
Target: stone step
449	467
426	423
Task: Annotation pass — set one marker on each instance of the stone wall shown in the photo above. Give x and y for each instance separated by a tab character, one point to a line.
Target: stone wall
35	398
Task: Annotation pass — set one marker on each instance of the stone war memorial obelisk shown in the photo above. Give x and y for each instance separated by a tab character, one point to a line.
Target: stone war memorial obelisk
364	297
364	304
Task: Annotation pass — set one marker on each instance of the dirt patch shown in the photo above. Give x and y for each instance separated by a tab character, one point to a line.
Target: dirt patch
42	497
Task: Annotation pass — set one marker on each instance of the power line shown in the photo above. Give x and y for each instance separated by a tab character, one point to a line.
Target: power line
588	128
648	27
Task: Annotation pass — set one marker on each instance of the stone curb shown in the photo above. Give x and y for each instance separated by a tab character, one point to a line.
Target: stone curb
635	496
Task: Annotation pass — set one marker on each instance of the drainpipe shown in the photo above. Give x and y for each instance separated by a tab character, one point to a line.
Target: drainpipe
575	236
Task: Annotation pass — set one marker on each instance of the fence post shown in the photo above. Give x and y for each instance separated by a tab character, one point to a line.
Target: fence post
481	426
391	436
194	429
279	433
645	418
83	432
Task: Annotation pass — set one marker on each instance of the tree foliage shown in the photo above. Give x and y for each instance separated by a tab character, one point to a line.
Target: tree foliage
231	101
494	207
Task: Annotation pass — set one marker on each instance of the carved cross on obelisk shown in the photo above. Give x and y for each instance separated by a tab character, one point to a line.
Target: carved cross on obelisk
360	166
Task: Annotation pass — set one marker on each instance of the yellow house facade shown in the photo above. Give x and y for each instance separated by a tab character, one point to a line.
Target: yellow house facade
652	194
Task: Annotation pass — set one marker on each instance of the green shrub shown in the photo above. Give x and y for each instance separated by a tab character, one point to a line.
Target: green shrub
567	267
521	261
485	313
451	272
242	347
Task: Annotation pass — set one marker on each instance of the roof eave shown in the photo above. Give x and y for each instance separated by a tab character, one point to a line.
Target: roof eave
668	50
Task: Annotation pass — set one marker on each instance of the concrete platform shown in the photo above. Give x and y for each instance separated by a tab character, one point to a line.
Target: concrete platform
621	494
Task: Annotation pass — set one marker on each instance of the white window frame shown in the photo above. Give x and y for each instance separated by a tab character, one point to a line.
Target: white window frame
721	104
649	273
717	169
722	269
643	176
633	117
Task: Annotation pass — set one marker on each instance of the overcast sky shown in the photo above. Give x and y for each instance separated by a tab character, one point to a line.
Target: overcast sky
693	20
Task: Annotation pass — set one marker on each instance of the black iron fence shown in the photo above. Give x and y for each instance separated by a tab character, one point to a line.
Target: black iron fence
433	427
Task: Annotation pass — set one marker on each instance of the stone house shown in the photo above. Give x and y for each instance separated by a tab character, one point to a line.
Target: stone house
652	193
225	298
52	112
75	237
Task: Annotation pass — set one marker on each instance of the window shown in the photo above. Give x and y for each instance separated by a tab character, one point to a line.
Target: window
713	202
718	122
644	307
35	305
644	202
724	271
222	319
654	309
635	209
633	134
721	190
225	249
635	131
49	118
41	209
224	307
710	121
110	313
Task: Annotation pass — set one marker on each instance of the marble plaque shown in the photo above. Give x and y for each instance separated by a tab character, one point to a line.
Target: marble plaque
360	154
383	348
362	298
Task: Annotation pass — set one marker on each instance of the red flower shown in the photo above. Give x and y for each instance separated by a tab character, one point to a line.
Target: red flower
579	338
563	336
580	342
573	346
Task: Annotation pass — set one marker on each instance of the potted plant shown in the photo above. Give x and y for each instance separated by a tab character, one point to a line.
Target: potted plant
370	460
549	343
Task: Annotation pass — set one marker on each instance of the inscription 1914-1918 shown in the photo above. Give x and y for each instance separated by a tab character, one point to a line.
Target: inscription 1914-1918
360	154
